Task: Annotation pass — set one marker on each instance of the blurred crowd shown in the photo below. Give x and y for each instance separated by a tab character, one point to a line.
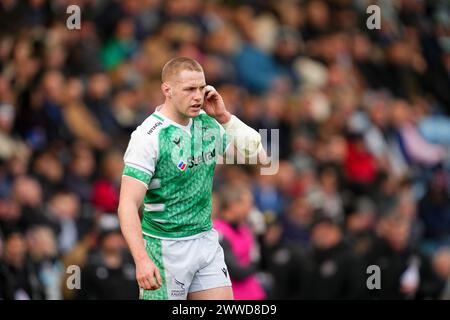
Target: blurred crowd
364	138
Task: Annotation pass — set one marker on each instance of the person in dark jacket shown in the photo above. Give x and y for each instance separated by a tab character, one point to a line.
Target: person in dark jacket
330	270
109	273
434	211
281	261
406	274
18	275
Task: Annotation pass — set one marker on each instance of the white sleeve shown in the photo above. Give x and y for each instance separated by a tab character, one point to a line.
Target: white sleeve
246	139
141	155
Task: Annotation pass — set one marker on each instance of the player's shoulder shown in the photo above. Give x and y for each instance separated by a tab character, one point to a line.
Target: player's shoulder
151	125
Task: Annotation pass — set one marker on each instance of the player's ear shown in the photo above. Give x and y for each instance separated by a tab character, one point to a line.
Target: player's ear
167	91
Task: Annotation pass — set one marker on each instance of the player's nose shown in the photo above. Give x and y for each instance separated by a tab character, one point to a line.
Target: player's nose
198	95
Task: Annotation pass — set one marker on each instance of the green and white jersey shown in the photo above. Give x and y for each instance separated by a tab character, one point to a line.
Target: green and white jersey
176	164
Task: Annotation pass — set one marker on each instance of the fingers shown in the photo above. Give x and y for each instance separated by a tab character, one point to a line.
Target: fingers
144	283
209	88
210	91
153	284
210	94
149	282
158	277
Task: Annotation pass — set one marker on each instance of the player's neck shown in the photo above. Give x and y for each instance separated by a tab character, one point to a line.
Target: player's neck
169	111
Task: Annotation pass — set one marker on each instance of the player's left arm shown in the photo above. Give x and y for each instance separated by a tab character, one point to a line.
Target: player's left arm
246	140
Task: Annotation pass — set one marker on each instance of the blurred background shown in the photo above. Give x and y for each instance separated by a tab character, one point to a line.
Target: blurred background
364	123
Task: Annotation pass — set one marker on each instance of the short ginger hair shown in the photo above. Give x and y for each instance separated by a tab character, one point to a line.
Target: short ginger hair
179	64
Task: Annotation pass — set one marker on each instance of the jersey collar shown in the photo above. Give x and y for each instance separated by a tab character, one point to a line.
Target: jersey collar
186	128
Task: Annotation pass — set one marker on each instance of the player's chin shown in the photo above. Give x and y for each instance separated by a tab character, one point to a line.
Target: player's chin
194	111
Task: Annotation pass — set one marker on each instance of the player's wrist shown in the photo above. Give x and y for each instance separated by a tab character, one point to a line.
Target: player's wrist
224	118
143	259
246	139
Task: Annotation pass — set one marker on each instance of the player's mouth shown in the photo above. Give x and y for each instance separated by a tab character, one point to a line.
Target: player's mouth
196	107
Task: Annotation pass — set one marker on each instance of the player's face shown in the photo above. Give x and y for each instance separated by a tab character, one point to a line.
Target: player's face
188	90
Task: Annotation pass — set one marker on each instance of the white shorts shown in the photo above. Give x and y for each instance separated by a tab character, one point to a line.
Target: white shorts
186	266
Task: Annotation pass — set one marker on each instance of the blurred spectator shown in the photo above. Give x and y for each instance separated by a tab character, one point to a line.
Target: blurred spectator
378	135
385	196
36	13
403	69
49	171
81	169
329	270
360	166
274	118
98	101
9	144
435	128
328	196
407	208
109	272
267	195
318	19
415	148
105	191
238	243
18	276
125	106
360	222
43	251
296	223
82	123
251	59
302	158
84	50
121	46
27	196
434	211
289	180
281	260
257	71
406	272
52	87
441	265
78	256
63	210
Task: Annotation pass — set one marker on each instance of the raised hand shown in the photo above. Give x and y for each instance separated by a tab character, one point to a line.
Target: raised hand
214	106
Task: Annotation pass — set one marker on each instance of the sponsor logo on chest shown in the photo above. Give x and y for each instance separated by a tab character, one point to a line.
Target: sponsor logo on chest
195	161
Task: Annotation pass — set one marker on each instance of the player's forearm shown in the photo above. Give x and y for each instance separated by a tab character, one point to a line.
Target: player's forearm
246	139
131	229
223	117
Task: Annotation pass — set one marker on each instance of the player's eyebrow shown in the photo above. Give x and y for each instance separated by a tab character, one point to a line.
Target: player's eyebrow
195	87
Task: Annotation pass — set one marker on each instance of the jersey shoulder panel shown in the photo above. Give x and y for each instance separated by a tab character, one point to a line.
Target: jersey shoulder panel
152	125
142	152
